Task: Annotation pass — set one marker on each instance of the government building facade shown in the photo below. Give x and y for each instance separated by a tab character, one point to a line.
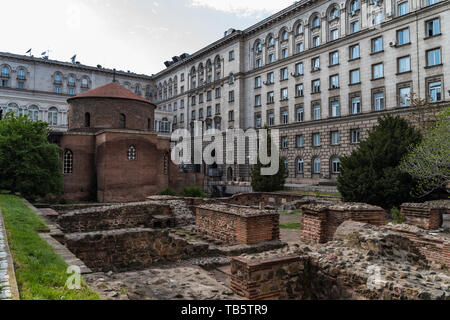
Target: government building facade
322	72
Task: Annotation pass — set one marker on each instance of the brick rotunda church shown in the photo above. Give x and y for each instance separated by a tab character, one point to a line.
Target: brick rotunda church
111	149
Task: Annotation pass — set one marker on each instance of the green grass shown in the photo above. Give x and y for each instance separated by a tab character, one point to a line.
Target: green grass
290	226
40	272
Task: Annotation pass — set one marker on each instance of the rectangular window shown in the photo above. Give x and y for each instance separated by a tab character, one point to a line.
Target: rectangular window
218	93
335	138
300	47
377	45
57	89
270	97
431	2
316	139
404	64
299	141
405	97
403	8
315	64
217	109
356	105
71	91
403	36
208	96
334	35
335	108
299	69
378	100
432	28
231	96
377	71
299	90
316	86
356	136
433	57
258	122
231	115
257	82
285	142
258	100
284	74
284	94
200	113
271	58
354	52
200	98
354	76
270	78
258	63
271	119
316	111
284	117
435	91
208	111
300	114
5	83
334	81
354	26
284	53
231	55
21	85
316	41
334	58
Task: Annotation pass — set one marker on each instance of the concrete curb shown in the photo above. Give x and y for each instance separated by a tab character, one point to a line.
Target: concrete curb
12	291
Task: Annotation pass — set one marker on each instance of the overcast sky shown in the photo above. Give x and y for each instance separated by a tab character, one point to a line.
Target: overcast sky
135	35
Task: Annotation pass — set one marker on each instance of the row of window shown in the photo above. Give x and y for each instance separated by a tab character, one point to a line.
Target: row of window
335	139
316	165
33	113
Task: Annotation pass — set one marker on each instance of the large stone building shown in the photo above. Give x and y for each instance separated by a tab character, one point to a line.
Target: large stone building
320	71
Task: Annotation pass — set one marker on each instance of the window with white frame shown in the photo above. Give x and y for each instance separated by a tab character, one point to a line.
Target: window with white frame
354	26
356	105
435	91
258	100
334	81
299	90
356	135
258	82
52	116
377	71
270	78
316	41
316	111
300	114
284	94
284	53
378	100
315	64
300	47
377	44
270	97
316	139
434	57
403	36
284	74
285	142
271	119
316	166
335	108
403	8
335	139
432	28
334	34
404	64
284	117
299	69
300	166
33	113
405	97
316	86
300	142
354	76
334	58
354	52
335	163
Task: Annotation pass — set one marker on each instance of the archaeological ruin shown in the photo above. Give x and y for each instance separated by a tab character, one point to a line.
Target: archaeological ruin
236	248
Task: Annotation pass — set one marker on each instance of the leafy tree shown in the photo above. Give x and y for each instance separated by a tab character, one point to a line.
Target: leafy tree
268	183
371	174
193	192
29	164
429	161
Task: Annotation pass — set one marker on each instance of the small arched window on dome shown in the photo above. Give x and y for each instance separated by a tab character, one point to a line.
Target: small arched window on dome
68	162
87	120
132	153
122	121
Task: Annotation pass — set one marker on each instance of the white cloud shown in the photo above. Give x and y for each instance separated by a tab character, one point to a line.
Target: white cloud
243	8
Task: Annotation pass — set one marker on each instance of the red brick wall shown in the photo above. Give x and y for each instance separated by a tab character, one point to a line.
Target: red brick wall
105	113
235	229
425	217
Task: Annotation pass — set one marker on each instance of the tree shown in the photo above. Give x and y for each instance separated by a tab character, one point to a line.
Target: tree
429	161
268	183
371	174
29	164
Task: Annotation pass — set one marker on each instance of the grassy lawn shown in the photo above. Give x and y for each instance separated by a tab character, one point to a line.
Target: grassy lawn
290	226
40	272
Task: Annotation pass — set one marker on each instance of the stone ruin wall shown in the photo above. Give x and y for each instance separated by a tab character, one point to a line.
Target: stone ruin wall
428	215
130	249
112	217
319	222
238	225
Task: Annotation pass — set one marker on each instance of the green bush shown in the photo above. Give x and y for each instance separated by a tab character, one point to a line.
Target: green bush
168	192
371	174
397	216
193	192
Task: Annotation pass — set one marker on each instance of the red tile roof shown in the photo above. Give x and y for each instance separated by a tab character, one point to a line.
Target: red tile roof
111	90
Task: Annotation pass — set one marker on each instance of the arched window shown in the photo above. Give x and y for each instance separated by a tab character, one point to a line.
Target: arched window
284	35
21	74
316	165
12	107
271	41
316	22
258	47
71	81
84	83
299	29
33	113
58	78
354	5
68	161
122	121
300	166
53	116
87	120
335	164
5	71
137	90
334	13
132	153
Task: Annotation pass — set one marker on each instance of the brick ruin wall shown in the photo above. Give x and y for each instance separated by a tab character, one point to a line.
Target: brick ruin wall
428	215
341	269
319	222
130	249
149	215
222	222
